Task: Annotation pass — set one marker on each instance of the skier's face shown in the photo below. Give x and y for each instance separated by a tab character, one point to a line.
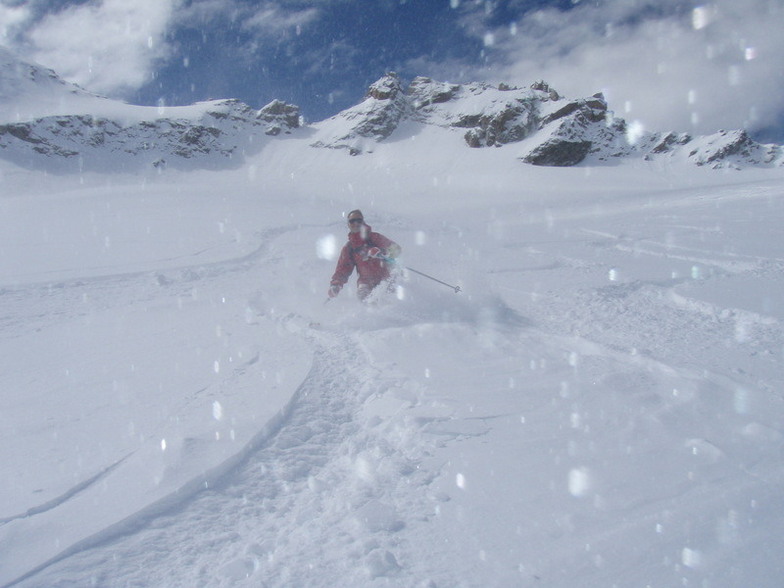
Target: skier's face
355	224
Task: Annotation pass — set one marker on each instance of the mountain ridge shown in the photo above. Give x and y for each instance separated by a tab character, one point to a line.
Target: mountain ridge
60	127
553	130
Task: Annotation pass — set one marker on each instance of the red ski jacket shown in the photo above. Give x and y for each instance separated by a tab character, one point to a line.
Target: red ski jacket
372	271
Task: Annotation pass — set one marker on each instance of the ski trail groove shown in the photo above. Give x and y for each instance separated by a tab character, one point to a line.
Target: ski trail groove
57	501
275	513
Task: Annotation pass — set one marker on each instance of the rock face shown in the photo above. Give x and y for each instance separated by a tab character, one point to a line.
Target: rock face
486	115
550	130
50	124
279	117
491	116
372	120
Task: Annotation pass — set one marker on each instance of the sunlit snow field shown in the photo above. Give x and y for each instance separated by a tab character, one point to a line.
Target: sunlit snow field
600	405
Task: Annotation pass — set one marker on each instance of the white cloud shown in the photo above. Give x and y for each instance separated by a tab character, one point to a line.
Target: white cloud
108	47
200	12
112	47
667	67
271	19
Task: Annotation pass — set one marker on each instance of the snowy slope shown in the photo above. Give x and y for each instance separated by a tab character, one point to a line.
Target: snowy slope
601	405
29	91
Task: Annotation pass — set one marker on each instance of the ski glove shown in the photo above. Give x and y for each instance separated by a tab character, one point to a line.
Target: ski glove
375	253
334	290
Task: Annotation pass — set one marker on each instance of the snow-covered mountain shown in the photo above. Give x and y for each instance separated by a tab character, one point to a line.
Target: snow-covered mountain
51	124
551	130
206	135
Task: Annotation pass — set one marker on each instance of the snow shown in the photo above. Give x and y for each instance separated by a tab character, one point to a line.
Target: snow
601	404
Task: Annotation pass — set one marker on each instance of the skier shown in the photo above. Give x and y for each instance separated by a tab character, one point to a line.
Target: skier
367	251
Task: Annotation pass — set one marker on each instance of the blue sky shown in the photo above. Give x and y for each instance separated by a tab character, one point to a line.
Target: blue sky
664	64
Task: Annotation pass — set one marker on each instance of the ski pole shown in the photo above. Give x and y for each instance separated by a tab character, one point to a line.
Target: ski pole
411	269
455	288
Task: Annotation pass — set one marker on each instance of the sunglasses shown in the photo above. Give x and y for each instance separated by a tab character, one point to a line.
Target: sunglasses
353	221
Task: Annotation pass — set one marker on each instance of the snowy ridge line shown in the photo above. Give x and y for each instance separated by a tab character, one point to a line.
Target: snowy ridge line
184	493
58	500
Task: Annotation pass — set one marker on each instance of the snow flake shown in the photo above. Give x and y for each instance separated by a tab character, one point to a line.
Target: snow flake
579	482
691	558
217	411
327	247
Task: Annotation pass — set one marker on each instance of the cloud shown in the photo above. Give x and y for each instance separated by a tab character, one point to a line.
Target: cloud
108	47
658	63
11	18
272	19
268	18
248	31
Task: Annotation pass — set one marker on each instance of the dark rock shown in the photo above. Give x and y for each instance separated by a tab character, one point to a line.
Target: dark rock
559	153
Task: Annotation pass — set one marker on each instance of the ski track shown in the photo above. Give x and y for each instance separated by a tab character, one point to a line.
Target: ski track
57	501
321	451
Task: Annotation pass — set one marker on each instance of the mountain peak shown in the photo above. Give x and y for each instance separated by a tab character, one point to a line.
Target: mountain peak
388	87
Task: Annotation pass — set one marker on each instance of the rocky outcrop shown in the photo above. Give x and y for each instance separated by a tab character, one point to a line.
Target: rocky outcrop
369	122
279	117
383	110
487	116
558	152
574	129
490	116
510	124
666	142
424	92
732	149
